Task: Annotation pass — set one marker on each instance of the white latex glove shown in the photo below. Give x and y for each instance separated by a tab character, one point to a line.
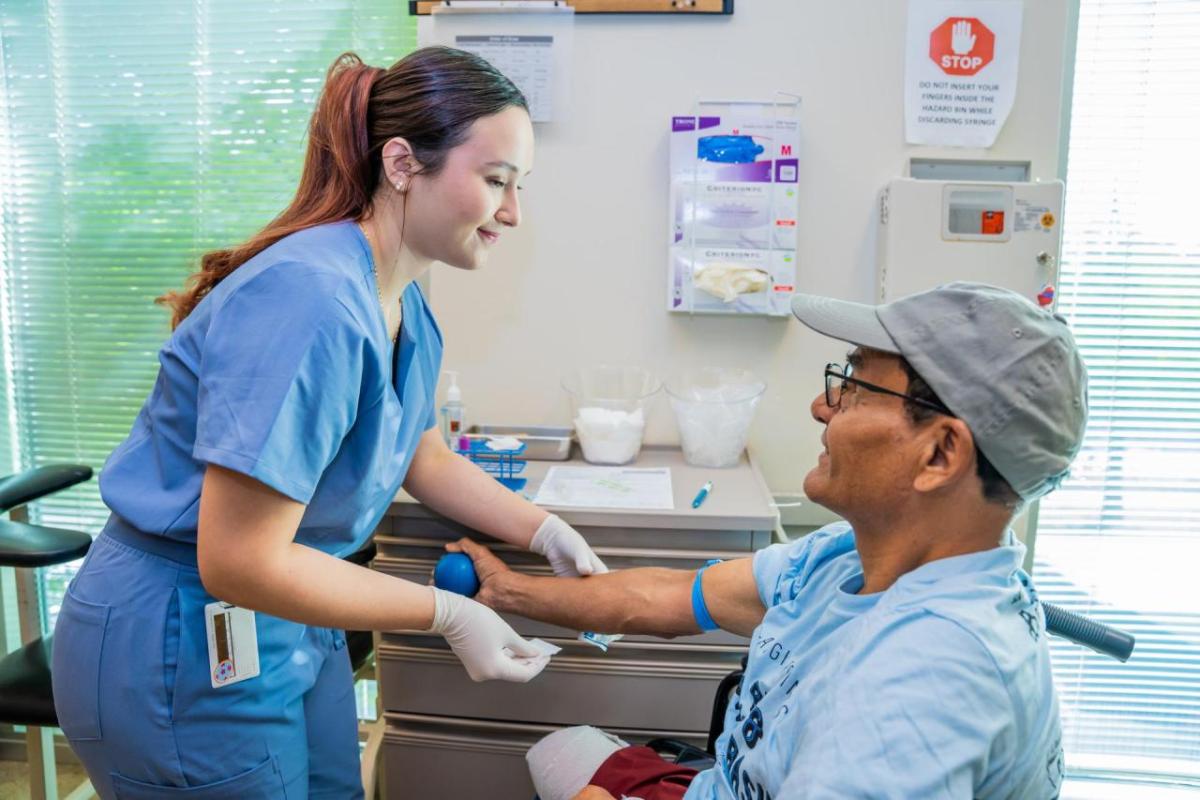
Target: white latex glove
485	643
565	549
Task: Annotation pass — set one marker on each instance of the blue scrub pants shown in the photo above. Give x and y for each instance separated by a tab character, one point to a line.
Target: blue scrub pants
135	700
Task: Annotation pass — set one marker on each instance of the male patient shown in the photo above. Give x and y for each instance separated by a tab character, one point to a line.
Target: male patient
901	653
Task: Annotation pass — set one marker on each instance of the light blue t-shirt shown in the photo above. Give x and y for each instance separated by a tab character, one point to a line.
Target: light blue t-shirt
939	687
285	372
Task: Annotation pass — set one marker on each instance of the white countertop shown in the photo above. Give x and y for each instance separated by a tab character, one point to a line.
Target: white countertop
739	500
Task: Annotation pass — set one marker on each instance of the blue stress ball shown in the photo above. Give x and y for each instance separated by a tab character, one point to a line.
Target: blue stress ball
455	572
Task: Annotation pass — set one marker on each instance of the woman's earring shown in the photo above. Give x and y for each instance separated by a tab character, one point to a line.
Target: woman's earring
399	186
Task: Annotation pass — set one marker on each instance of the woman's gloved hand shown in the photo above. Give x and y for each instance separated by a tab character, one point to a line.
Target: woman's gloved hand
486	645
565	549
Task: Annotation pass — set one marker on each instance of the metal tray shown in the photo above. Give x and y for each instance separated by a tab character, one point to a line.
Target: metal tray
542	443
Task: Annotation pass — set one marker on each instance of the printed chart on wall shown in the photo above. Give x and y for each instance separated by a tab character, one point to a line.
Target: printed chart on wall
733	211
527	60
532	47
960	76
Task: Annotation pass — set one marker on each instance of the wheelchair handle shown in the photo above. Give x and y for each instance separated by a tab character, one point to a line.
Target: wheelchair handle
1079	629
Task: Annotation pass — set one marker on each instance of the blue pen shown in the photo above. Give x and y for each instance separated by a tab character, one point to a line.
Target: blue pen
703	493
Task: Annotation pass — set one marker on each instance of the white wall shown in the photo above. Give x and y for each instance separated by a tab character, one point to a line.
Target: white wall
583	280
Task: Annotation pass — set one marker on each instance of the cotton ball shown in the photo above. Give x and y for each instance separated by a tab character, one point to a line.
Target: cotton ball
609	436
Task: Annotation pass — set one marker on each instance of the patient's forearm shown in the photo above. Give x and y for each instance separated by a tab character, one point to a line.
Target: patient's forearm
651	600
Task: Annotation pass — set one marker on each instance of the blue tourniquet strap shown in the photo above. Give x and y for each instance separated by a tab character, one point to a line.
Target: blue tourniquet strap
699	607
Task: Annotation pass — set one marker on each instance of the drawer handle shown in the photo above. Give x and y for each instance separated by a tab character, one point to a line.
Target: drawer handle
412	642
636	668
629	552
400	719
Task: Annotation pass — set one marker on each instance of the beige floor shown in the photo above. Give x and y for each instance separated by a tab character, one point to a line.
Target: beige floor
14	779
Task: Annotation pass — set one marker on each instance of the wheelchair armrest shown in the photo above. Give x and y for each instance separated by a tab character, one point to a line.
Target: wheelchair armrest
716	723
689	755
25	487
681	753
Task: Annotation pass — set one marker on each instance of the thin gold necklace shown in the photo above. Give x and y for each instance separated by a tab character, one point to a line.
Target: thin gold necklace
378	284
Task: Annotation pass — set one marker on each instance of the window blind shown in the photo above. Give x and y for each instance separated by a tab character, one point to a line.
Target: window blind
1120	540
134	136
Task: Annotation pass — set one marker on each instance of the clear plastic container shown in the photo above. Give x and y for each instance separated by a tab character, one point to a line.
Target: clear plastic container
608	404
714	408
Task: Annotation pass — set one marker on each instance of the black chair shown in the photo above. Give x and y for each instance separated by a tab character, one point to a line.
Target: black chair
681	752
25	694
361	645
1074	627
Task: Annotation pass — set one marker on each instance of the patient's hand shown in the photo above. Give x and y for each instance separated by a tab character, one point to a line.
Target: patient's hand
493	573
593	793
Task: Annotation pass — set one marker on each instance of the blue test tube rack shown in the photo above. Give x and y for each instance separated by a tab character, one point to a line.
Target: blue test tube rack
503	465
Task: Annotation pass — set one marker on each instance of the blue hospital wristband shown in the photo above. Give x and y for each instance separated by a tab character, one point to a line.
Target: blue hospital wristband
699	607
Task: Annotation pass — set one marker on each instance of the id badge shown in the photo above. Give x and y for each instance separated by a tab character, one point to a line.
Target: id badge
232	644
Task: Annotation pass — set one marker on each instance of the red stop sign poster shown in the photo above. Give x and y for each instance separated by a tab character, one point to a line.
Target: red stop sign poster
962	46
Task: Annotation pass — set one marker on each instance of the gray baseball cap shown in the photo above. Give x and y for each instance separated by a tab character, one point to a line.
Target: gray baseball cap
1006	367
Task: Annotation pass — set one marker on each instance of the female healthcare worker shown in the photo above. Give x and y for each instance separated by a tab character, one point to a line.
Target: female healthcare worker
295	397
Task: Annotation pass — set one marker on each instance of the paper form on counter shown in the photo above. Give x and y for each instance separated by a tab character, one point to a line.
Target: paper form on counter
607	487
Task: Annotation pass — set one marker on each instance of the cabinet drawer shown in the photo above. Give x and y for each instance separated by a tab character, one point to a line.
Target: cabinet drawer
637	685
442	757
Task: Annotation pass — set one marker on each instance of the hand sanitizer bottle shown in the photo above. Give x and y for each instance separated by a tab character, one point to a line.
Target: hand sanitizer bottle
453	412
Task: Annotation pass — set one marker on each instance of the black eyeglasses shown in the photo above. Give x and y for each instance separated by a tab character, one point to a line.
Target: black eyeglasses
837	378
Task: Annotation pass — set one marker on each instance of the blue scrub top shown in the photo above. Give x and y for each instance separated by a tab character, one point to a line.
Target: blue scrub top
284	372
938	687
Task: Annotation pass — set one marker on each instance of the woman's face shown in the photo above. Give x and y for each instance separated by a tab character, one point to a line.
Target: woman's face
459	214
